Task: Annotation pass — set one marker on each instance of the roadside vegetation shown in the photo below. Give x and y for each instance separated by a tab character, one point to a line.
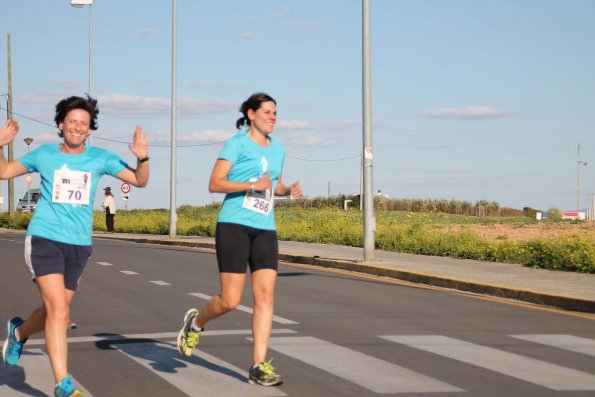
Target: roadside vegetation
498	235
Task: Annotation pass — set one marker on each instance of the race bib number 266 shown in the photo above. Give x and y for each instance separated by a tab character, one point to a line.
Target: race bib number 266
261	202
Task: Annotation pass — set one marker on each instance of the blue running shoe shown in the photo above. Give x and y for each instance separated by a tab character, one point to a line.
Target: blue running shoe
12	349
66	389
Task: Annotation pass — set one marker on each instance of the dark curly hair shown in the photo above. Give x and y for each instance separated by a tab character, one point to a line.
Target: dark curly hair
253	103
76	102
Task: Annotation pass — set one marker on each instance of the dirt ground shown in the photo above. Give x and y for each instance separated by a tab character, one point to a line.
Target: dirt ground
522	232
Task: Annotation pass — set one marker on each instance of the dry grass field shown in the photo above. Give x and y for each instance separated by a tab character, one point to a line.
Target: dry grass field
520	232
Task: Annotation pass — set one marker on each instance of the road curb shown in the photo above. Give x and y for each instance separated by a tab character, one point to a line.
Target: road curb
529	296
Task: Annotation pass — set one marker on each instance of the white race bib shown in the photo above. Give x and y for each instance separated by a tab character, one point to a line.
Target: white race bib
259	201
71	187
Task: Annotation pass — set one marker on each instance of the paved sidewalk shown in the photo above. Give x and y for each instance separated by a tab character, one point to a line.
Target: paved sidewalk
566	290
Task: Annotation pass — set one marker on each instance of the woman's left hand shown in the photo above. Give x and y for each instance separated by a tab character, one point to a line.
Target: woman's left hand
295	190
140	143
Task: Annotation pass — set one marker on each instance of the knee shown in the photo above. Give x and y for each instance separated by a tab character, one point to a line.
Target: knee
57	313
229	304
263	300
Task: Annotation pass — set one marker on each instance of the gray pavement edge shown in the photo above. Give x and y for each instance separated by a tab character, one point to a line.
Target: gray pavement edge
343	258
524	295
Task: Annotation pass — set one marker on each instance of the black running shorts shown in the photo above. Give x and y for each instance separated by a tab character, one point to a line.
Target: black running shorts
238	246
45	257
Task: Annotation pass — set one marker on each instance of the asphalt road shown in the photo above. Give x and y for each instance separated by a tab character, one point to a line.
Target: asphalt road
335	334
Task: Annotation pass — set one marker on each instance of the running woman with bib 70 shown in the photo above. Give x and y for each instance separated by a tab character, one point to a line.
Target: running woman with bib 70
248	170
58	242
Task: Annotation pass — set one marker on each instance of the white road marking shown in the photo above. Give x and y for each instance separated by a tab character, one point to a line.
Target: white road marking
31	377
129	272
163	335
366	371
157	282
539	372
202	374
566	342
105	264
246	309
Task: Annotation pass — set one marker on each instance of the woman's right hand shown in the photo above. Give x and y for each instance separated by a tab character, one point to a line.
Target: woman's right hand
8	132
264	183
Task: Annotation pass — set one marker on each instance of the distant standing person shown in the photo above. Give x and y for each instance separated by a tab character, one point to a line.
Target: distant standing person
248	170
109	204
58	241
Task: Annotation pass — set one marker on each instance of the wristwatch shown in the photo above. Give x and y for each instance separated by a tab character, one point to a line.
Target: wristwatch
146	158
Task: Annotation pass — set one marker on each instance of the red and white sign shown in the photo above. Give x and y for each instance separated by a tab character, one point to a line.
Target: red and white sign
125	188
28	180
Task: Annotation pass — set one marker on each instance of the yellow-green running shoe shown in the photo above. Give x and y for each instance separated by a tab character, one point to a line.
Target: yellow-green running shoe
188	338
264	374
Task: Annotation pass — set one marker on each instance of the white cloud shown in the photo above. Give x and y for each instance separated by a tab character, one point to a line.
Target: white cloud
251	36
145	33
69	84
470	113
295	125
300	140
134	106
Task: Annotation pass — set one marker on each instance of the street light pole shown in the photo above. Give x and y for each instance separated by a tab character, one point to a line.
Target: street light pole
28	141
80	4
173	217
2	197
367	151
578	185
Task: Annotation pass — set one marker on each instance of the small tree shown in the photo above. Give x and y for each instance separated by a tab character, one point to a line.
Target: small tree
554	215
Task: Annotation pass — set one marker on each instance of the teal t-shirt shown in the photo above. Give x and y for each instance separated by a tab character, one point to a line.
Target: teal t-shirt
250	160
64	212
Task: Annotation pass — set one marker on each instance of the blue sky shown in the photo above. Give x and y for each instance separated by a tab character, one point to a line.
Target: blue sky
471	100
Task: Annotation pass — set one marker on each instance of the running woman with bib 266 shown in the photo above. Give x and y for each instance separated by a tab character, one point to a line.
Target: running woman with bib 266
58	242
248	170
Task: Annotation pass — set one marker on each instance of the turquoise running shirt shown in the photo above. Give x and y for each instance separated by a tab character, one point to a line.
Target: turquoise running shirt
64	212
250	160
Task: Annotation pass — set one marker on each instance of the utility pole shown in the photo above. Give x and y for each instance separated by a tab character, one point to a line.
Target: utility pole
10	145
367	149
578	185
173	216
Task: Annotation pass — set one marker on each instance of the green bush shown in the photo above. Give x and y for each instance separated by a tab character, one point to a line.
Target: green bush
398	231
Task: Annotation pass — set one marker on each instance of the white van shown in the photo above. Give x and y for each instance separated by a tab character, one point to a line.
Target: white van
26	204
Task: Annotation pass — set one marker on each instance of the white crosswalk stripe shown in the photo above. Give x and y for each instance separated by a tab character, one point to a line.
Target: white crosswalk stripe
202	374
539	372
566	342
205	374
371	373
31	377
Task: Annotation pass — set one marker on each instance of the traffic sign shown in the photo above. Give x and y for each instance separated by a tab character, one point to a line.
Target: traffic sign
125	187
28	179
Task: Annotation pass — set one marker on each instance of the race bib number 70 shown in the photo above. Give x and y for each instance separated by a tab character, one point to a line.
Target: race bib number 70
71	187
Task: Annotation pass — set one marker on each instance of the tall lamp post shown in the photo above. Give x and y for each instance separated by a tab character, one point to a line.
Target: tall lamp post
28	141
80	4
2	197
578	185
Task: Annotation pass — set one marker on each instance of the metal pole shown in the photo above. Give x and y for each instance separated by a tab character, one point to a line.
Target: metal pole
90	55
578	163
2	197
369	220
11	144
172	199
578	186
28	141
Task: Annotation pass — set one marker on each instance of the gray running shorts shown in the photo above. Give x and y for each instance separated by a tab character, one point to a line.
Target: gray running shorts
44	256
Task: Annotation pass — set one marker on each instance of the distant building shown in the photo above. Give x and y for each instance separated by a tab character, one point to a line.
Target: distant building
574	215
